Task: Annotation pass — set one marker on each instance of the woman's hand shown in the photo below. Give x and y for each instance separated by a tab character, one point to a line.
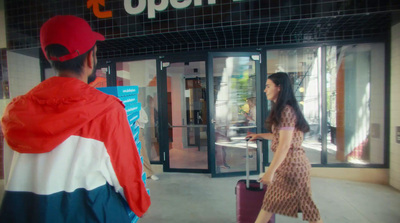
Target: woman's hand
267	178
252	137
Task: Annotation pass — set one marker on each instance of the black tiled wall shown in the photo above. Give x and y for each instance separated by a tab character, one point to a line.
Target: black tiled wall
225	24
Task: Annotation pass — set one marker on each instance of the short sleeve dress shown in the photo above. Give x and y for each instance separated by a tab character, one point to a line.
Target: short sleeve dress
291	188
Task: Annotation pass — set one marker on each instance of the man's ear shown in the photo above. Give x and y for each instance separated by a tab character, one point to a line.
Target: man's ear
90	59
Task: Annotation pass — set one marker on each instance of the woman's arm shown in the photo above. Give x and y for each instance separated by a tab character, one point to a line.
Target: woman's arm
253	137
285	139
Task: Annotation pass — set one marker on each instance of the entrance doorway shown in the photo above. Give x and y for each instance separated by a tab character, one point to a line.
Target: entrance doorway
211	107
235	105
187	117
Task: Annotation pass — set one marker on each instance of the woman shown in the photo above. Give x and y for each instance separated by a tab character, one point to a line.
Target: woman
288	176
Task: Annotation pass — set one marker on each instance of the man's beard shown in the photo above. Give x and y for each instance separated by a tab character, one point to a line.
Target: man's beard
92	76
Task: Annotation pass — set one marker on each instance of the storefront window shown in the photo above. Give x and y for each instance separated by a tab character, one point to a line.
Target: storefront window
4	96
143	74
235	113
187	115
303	67
99	78
5	90
355	77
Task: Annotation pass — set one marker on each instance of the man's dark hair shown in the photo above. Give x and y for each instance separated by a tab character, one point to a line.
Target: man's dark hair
285	97
75	65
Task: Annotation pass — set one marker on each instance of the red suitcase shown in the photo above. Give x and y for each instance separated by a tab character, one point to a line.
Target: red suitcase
250	195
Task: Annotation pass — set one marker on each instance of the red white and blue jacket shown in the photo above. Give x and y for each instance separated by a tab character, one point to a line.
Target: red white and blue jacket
75	158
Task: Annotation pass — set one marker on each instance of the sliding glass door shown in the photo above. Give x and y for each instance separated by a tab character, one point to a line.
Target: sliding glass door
233	96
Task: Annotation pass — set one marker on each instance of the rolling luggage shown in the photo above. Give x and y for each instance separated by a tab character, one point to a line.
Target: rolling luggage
250	194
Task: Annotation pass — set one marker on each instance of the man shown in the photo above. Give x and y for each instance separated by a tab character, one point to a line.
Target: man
75	158
141	122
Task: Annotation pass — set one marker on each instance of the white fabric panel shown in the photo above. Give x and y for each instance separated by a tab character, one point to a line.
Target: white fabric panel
76	163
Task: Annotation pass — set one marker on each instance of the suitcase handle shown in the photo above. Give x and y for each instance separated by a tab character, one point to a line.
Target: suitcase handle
253	188
259	151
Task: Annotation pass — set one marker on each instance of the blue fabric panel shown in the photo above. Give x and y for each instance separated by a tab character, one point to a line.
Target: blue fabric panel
102	204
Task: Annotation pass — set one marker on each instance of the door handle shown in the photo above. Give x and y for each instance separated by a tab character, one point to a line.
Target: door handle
213	121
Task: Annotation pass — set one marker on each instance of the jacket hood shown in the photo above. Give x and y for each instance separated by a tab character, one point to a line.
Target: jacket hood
52	111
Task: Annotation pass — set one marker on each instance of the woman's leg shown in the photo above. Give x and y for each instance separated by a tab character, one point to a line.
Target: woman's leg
263	216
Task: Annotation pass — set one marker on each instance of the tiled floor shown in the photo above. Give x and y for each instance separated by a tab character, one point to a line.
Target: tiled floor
198	198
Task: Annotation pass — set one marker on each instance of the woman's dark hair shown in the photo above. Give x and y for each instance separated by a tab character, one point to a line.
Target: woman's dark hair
75	65
285	97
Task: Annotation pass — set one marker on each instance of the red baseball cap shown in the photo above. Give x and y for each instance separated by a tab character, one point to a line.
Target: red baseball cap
72	32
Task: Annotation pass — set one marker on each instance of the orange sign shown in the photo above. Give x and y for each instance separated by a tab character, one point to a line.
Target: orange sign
151	5
96	9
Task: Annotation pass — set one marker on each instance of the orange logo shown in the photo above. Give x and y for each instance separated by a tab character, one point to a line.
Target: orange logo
96	8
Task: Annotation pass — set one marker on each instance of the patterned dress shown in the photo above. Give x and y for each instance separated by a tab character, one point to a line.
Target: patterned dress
291	188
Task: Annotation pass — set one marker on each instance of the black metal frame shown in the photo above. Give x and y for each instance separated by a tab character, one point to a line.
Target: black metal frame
211	107
162	95
222	25
262	110
383	38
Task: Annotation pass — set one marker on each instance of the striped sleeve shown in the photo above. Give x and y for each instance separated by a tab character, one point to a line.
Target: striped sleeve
125	160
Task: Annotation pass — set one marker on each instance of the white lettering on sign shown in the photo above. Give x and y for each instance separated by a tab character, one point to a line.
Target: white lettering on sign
152	7
180	5
134	10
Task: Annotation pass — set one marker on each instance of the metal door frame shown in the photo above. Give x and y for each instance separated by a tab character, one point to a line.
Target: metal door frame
163	63
211	107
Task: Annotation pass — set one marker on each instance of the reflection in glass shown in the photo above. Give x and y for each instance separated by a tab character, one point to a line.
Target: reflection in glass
303	67
5	88
187	115
234	93
99	79
143	74
355	99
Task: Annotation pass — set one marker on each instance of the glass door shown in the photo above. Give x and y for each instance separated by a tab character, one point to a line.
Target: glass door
104	76
99	78
143	73
233	100
187	117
